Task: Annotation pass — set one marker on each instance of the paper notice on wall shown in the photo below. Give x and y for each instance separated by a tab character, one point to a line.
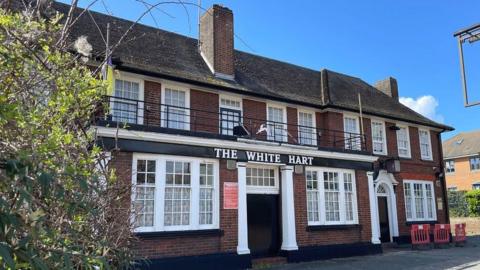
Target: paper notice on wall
230	195
439	204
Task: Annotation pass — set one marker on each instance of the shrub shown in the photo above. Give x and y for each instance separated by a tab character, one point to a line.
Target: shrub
457	204
473	200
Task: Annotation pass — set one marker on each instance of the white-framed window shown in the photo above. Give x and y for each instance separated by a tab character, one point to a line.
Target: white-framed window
419	200
425	144
450	166
277	123
476	186
352	133
230	113
331	196
262	179
307	133
474	163
379	138
127	101
175	107
174	193
403	142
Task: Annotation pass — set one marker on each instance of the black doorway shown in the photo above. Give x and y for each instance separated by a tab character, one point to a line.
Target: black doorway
383	219
263	224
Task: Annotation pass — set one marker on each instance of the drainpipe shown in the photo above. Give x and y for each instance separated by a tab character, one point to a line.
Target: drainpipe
442	178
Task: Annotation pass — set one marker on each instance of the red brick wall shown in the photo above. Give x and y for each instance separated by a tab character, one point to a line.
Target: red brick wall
292	128
333	136
391	136
204	111
228	217
255	114
153	92
361	233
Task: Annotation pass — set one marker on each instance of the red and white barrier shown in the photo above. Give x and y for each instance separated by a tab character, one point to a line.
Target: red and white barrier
420	234
460	234
441	234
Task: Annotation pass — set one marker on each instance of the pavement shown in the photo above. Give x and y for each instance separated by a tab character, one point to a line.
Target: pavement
402	257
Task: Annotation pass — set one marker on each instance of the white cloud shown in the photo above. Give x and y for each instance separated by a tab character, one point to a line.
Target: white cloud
424	105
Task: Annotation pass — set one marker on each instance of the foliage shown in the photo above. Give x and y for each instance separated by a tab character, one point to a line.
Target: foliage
473	200
57	209
457	204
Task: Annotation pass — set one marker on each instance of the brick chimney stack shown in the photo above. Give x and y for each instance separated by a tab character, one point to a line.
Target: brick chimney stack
216	41
388	86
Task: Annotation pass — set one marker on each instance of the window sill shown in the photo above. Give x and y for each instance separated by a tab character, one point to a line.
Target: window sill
427	159
431	222
312	228
166	234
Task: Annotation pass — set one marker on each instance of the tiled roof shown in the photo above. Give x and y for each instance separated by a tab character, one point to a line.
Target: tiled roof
463	144
163	53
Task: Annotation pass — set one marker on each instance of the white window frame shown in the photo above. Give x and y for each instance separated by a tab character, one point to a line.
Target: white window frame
423	157
450	161
409	154
265	189
285	121
424	195
314	126
177	87
159	203
384	139
229	97
357	131
321	197
141	94
470	163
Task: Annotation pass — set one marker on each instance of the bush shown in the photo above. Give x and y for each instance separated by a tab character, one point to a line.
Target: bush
473	199
457	204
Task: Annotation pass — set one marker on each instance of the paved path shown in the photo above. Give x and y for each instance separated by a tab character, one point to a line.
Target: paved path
458	258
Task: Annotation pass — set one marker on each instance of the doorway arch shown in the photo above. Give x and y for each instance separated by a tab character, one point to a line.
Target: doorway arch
386	205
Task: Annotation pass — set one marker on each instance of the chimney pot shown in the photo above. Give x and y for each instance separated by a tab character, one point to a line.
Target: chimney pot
388	86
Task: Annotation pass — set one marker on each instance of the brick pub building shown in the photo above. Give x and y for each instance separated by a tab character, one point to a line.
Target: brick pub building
235	156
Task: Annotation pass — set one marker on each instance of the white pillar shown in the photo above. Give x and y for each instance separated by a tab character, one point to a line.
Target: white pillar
289	236
393	198
242	247
373	209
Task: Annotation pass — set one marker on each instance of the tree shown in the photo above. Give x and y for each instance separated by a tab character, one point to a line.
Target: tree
60	208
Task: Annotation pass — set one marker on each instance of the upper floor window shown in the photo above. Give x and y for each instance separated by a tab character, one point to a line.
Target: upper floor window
331	197
307	134
230	114
379	141
474	163
450	166
403	142
425	144
174	193
276	122
419	200
127	104
352	130
175	111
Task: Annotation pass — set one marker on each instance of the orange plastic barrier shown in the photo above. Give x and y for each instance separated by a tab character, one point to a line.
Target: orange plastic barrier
460	235
420	234
441	234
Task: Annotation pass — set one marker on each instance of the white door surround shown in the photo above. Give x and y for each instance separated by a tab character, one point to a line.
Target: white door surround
289	239
384	187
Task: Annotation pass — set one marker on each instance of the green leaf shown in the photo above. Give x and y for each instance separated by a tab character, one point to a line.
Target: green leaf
6	255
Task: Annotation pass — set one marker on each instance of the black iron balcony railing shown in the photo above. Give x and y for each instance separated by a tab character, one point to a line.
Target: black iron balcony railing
223	122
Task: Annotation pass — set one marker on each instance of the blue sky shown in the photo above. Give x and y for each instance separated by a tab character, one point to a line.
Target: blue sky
409	40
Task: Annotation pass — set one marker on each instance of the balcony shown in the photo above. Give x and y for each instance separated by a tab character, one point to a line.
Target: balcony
221	123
